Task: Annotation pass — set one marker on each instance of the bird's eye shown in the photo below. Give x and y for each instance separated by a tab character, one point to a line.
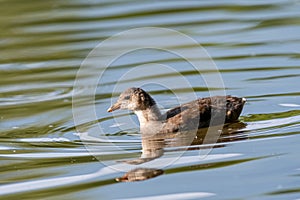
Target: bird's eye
127	97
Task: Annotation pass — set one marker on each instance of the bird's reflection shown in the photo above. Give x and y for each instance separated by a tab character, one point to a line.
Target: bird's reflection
153	146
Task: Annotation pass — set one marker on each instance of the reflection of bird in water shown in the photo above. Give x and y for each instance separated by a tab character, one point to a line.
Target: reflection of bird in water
140	174
153	148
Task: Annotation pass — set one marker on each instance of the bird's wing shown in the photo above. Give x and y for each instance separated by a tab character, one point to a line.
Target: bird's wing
188	116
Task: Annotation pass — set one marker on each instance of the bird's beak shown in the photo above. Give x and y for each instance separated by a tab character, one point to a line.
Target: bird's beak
114	107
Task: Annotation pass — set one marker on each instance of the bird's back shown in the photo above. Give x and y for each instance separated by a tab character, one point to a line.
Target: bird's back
198	113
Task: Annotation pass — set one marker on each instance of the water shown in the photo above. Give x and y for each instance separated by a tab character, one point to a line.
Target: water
255	46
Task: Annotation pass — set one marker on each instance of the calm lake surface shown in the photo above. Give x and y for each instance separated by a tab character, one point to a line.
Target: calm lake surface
46	154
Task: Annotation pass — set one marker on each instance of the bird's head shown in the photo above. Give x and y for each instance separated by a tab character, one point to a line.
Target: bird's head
133	99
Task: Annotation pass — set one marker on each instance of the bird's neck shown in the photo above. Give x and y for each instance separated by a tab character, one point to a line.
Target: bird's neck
151	114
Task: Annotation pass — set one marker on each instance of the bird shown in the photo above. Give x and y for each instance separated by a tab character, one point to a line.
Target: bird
200	113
